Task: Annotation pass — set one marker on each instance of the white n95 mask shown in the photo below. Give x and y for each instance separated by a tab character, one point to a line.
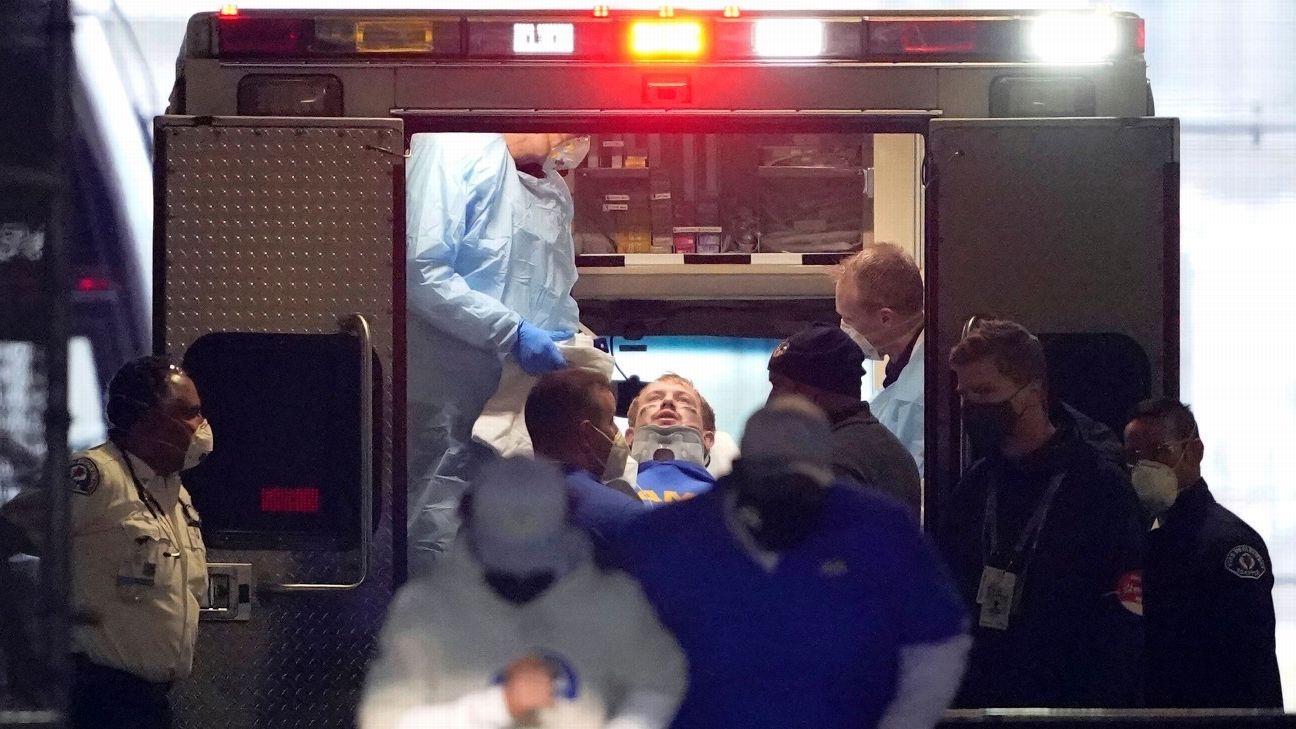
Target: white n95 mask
569	154
1156	485
614	465
200	447
870	352
674	443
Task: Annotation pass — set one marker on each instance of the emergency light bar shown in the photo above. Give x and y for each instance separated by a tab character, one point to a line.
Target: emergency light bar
667	40
1074	37
671	35
544	38
792	38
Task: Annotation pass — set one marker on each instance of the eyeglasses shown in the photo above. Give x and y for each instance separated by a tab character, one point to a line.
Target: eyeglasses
1155	453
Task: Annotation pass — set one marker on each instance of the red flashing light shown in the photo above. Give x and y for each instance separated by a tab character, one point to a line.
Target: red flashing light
601	11
732	11
91	283
275	500
229	10
1140	36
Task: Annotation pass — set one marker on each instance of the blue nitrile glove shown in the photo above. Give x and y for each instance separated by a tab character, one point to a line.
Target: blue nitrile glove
535	349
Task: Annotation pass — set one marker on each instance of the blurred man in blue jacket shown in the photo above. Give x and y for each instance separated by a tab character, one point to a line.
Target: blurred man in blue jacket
799	601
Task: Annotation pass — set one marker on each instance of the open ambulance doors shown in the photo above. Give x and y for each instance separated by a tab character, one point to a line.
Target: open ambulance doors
286	228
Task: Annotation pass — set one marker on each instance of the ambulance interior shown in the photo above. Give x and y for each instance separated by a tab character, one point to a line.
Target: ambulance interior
699	252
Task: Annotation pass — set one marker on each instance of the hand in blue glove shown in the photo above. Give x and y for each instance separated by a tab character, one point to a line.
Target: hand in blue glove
535	349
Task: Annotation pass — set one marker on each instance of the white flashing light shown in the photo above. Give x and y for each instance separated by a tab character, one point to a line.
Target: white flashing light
544	38
1074	37
788	37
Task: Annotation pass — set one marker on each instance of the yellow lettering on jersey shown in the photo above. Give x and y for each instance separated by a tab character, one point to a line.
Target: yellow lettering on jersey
650	496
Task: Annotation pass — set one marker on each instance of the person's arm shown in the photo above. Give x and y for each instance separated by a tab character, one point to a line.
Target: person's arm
448	209
400	677
929	676
645	709
653	672
1240	614
398	691
909	429
933	635
484	709
27	514
1112	675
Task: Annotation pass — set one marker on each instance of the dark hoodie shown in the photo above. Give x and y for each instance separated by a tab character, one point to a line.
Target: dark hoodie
1076	639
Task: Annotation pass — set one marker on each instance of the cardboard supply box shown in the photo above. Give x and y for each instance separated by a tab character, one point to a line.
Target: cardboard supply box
686	239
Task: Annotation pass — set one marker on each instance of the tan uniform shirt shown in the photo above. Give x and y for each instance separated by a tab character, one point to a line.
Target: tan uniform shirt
139	566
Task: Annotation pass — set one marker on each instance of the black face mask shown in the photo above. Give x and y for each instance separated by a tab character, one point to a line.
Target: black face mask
779	509
519	589
988	424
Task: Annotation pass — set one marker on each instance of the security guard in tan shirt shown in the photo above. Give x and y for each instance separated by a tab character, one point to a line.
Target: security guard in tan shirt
139	565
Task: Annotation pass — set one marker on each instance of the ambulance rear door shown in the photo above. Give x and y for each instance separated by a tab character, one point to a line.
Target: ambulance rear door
280	285
1070	227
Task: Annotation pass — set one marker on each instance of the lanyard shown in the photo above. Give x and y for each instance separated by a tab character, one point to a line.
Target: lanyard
1030	535
149	501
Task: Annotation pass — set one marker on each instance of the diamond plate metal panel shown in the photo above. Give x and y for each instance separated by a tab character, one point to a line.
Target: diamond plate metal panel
283	226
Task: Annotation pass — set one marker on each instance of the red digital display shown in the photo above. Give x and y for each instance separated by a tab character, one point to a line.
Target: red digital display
278	500
91	283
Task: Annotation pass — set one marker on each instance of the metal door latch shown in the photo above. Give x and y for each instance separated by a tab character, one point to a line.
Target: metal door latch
229	592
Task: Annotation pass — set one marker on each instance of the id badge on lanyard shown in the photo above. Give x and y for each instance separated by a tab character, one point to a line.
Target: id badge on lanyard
1000	591
997	597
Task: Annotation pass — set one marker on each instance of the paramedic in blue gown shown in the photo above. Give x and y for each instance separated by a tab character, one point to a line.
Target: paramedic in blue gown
489	272
799	600
880	299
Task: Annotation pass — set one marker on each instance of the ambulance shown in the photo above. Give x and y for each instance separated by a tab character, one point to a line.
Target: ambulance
736	158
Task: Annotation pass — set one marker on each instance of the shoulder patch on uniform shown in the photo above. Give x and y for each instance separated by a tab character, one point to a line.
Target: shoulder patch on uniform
83	474
1246	562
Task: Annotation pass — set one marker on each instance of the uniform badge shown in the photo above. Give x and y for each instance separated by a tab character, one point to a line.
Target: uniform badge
1129	591
84	476
1245	562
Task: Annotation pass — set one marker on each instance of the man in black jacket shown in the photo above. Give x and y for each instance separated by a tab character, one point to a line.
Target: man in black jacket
1210	613
823	365
1044	537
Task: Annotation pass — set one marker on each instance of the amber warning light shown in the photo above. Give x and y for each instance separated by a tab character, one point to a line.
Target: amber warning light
670	39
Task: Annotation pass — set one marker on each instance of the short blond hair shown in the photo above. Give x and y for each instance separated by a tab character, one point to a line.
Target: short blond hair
708	415
886	276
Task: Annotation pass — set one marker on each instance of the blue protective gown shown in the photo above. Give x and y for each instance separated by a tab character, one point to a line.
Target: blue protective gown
486	247
900	406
